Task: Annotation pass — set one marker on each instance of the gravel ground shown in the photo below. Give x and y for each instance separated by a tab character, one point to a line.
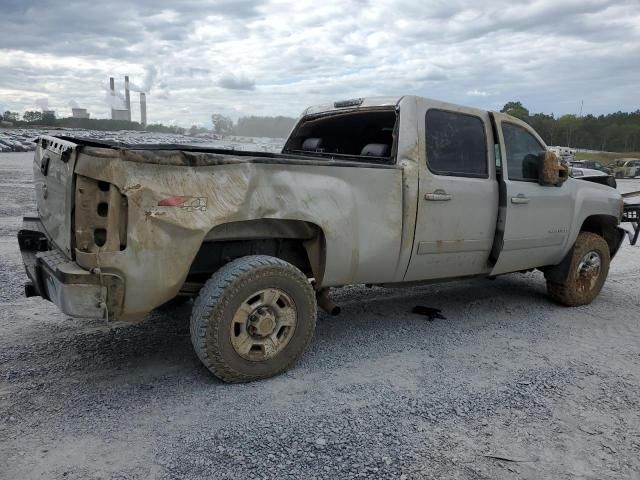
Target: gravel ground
508	386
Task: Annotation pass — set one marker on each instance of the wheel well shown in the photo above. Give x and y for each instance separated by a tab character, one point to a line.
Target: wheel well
299	243
605	226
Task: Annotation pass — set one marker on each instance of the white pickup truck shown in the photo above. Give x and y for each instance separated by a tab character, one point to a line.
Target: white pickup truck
382	191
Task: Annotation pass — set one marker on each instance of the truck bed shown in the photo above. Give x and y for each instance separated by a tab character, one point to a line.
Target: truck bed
199	155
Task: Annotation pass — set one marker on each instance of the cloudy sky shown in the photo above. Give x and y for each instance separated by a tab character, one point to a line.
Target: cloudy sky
239	57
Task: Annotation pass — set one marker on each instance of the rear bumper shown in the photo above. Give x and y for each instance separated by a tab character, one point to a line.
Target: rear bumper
54	277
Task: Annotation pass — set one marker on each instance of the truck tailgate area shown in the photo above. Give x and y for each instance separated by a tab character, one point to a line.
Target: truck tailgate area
53	167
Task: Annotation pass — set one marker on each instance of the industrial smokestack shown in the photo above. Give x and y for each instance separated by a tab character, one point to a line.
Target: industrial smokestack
127	97
112	93
143	109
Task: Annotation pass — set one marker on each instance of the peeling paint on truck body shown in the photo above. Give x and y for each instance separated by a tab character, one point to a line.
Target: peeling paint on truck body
161	203
162	241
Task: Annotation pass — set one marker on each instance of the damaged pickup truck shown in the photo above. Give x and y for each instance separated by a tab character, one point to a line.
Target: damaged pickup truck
380	191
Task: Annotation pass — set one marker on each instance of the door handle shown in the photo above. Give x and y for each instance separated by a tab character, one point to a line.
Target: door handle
519	199
438	195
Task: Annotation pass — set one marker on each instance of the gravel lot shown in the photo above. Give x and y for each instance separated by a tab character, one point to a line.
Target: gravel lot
508	386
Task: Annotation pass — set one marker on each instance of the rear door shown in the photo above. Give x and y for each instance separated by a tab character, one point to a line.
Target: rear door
538	218
458	193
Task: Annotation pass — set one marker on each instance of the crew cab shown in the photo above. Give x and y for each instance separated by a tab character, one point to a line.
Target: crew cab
381	191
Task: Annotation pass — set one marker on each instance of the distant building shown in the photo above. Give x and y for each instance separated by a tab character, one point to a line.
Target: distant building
79	113
567	154
119	114
125	113
143	109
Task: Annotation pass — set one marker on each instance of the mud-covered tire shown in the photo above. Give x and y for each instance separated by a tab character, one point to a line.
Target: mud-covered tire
215	309
582	287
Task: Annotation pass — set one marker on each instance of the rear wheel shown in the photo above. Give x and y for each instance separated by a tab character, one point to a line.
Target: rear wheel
253	319
587	272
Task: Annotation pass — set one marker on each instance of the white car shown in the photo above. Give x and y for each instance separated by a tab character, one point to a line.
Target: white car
592	174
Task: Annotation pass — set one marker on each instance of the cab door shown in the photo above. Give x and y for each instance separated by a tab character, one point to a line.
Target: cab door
458	193
538	218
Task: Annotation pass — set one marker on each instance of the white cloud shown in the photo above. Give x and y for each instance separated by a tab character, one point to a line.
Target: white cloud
278	57
478	93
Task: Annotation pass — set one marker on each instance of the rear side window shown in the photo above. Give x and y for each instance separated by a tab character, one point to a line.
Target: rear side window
365	135
523	151
456	144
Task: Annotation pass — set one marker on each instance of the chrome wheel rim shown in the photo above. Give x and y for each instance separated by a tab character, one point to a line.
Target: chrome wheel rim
589	269
263	325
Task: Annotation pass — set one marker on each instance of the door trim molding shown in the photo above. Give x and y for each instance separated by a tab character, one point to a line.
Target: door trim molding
453	246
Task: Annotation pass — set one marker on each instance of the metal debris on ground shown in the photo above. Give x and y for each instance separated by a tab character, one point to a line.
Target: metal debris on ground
429	312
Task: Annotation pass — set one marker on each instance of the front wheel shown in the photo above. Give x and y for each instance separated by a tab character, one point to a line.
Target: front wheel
587	272
253	319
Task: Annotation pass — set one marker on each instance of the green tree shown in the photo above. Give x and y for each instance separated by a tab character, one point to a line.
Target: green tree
48	118
32	116
221	124
568	124
516	109
11	116
274	127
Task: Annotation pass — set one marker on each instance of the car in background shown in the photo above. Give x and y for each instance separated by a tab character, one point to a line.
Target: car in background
592	175
626	168
590	164
566	154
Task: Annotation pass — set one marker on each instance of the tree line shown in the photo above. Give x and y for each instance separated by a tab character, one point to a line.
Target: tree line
42	118
614	132
253	126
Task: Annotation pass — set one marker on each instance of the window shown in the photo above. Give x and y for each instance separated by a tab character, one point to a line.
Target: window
523	151
361	135
456	144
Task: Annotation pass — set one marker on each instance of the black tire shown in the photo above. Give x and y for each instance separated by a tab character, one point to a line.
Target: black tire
578	288
219	300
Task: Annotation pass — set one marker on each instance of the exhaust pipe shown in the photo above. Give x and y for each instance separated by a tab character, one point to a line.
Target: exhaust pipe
325	303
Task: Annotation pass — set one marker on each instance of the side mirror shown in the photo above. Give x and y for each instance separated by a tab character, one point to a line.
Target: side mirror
550	170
